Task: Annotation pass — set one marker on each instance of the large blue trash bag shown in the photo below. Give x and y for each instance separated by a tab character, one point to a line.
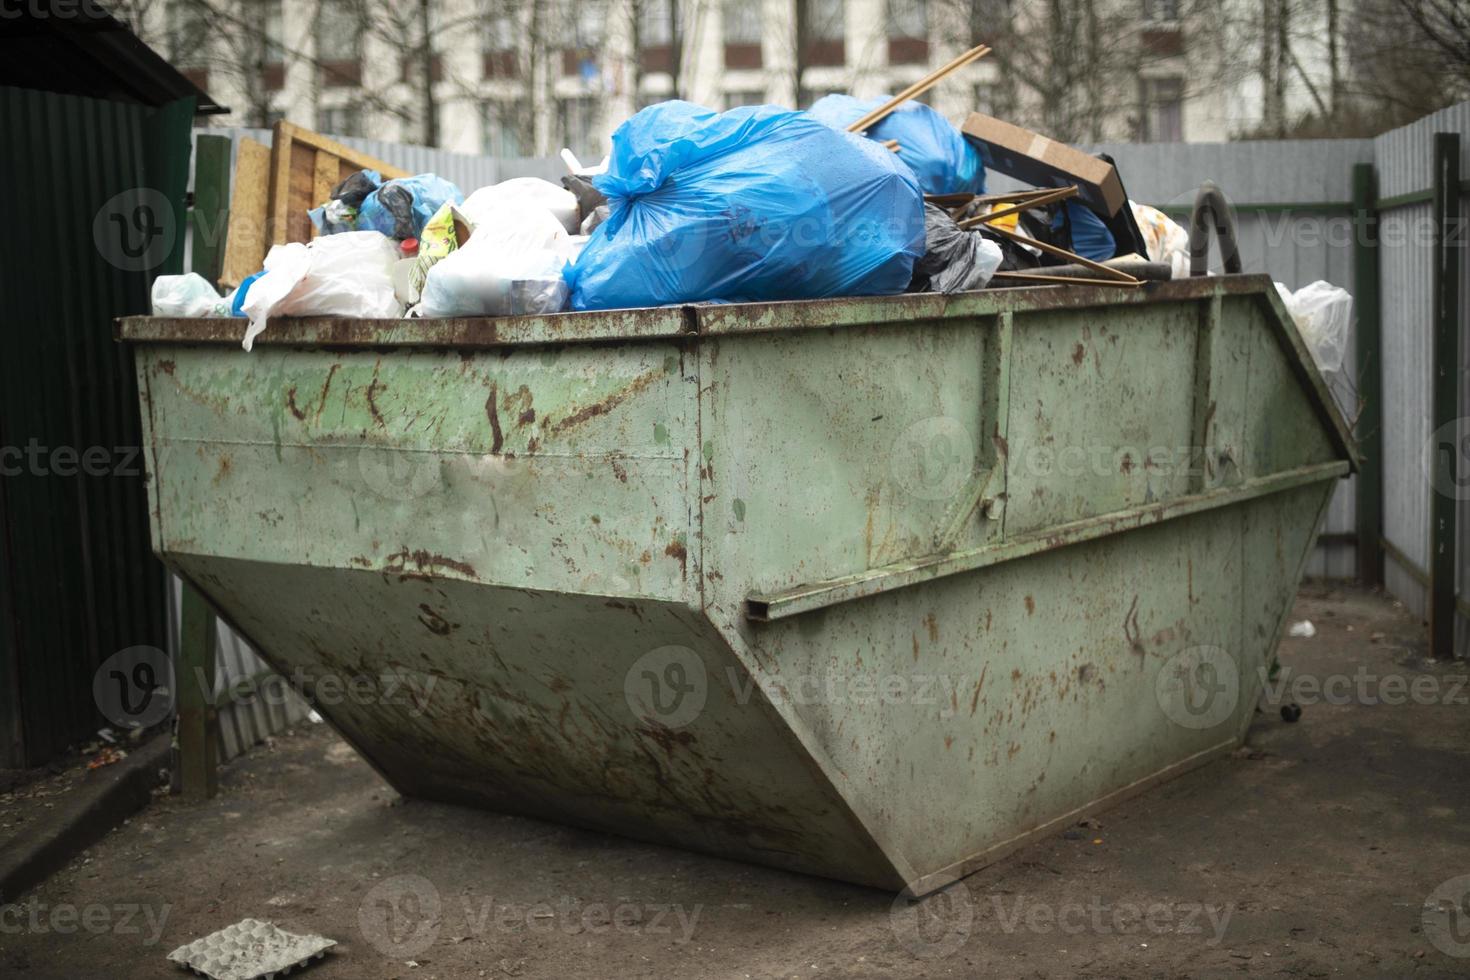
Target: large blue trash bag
401	206
758	203
943	160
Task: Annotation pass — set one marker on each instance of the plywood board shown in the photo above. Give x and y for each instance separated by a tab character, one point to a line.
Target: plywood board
245	241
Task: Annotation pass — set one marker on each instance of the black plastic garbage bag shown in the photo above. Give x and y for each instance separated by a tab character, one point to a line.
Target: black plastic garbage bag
954	260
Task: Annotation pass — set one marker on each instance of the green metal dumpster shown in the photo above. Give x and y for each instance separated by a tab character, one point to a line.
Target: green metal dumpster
877	589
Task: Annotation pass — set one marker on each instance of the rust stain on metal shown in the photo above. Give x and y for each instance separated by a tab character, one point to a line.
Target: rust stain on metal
497	438
1078	353
1130	628
677	550
424	564
166	365
666	737
372	391
618	469
1030	605
932	625
291	404
975	697
607	404
1127	465
434	621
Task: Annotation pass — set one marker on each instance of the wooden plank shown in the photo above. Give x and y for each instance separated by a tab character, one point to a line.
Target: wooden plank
245	238
299	165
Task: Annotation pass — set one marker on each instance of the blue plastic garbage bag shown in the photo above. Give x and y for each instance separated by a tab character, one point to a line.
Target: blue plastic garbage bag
1090	237
943	160
401	206
758	203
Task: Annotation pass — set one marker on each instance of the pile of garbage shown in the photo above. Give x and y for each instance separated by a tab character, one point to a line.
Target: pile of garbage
759	203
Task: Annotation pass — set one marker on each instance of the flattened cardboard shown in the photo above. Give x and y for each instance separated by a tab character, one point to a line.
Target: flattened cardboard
1043	162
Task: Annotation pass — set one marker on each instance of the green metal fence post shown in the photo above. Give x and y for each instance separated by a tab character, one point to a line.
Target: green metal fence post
1370	375
198	752
198	715
211	210
1445	397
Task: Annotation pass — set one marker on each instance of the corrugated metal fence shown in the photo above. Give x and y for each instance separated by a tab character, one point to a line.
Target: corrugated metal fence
1404	160
1293	213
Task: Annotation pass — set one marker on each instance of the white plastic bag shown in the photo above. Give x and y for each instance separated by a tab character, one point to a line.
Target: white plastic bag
527	192
1164	238
347	274
186	296
1322	313
511	266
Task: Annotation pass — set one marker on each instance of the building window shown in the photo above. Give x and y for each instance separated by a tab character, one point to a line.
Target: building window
342	120
826	29
1160	10
656	35
271	23
339	43
750	97
1163	110
742	31
576	118
500	128
908	32
585	31
498	40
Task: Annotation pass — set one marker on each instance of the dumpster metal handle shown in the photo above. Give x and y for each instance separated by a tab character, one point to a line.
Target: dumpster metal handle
768	607
1211	210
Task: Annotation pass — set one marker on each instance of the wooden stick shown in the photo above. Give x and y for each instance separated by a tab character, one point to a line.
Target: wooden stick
1061	194
1062	253
1067	280
918	88
892	145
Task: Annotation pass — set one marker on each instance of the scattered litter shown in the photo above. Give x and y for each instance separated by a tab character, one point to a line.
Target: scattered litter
313	717
250	949
1303	629
1322	313
107	757
757	203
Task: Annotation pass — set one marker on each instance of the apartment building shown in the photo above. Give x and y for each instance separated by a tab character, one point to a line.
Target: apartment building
527	77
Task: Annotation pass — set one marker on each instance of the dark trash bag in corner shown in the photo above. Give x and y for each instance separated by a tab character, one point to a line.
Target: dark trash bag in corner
758	203
942	159
954	260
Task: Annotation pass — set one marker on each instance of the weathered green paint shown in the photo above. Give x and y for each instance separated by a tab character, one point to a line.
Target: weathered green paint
928	559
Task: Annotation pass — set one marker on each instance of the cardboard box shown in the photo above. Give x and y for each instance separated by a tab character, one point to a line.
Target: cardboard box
1042	162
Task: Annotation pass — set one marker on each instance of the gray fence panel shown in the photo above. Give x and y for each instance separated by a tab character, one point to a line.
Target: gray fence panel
1405	167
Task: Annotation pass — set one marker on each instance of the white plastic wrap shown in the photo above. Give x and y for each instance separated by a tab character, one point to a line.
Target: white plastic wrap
512	265
347	274
523	192
186	296
1322	313
1164	238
